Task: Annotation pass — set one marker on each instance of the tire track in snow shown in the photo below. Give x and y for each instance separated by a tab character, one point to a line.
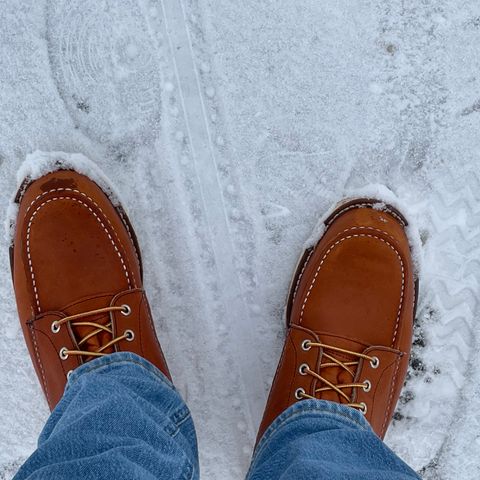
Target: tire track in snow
206	167
161	159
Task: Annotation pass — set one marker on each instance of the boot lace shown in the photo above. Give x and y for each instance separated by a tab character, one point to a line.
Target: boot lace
78	321
349	367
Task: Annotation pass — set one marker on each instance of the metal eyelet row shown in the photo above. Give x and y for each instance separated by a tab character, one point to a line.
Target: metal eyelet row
129	337
129	334
374	362
127	310
300	392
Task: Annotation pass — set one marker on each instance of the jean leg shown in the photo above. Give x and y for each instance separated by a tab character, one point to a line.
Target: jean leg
324	440
120	417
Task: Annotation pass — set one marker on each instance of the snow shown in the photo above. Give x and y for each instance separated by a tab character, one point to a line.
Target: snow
228	129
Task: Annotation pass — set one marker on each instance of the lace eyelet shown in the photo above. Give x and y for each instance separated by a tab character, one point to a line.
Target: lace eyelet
69	374
129	335
63	353
363	408
302	369
367	386
299	393
127	310
375	362
55	327
306	345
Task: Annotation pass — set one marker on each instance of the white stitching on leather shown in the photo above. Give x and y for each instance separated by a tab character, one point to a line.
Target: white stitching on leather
98	219
301	273
390	398
359	227
330	250
313	249
99	208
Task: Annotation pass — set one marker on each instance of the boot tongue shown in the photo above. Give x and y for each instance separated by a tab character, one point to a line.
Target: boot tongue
338	375
80	331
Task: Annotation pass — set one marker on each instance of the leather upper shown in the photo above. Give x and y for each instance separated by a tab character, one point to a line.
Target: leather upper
354	290
74	252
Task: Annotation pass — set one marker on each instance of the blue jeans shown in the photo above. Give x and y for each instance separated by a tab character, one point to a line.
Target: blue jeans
120	418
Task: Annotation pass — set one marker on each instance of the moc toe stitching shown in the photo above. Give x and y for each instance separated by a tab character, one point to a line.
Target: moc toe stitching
329	251
130	278
312	250
121	214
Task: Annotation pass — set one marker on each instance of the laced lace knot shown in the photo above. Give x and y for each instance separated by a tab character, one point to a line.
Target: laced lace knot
326	385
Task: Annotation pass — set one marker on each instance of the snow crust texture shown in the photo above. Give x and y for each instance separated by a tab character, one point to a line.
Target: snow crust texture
228	129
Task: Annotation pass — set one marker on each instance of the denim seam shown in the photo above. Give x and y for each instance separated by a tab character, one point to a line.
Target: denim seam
180	414
176	426
188	475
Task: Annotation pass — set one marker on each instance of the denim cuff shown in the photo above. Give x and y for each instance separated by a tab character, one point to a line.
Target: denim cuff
313	408
115	359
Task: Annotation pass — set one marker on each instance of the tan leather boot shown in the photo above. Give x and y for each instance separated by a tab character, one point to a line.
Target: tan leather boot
77	277
350	317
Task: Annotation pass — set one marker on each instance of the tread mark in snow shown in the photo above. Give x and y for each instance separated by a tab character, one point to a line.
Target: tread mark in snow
213	202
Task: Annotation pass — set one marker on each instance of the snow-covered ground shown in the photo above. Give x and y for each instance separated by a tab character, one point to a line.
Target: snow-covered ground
228	127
